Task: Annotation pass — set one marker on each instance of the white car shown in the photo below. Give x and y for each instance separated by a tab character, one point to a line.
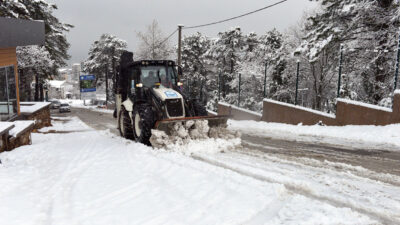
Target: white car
64	107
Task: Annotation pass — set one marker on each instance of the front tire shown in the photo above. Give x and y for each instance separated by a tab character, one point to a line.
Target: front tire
143	122
125	124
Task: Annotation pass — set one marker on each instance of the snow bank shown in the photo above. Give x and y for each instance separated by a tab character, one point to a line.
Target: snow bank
348	101
21	126
369	137
32	107
4	126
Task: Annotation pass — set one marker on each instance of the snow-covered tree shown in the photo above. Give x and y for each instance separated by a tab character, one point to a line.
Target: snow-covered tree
56	43
103	59
226	52
33	62
195	66
153	43
368	27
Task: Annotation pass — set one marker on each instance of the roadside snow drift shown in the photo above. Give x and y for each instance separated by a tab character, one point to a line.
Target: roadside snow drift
90	177
366	137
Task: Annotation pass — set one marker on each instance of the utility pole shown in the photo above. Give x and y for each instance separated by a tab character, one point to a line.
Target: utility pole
397	67
265	80
180	26
297	81
340	70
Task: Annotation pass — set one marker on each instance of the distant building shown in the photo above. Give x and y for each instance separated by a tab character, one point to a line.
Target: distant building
76	71
65	74
14	32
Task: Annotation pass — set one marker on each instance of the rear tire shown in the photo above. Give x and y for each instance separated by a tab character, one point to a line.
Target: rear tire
143	122
199	110
125	124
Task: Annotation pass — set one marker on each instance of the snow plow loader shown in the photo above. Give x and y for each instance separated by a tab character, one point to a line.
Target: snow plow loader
151	105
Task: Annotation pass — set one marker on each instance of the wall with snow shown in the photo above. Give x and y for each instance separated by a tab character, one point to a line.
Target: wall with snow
348	112
237	113
279	112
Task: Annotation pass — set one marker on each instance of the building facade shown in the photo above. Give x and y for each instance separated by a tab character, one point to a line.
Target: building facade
14	32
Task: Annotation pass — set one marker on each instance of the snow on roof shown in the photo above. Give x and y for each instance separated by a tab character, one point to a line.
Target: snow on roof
21	126
397	92
301	108
5	126
32	107
363	104
56	83
241	109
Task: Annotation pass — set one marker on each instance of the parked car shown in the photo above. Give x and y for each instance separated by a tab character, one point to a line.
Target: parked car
55	104
64	107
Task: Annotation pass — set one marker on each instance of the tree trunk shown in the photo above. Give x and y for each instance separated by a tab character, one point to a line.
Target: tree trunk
114	77
41	92
106	77
36	86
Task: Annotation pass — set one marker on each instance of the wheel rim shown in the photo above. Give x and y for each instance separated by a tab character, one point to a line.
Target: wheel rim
138	131
121	125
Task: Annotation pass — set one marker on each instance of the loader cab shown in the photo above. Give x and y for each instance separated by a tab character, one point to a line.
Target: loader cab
152	74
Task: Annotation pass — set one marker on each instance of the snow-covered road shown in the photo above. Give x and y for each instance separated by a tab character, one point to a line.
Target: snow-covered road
78	175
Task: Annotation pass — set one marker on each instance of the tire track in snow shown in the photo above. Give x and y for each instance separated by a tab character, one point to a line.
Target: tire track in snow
327	164
384	219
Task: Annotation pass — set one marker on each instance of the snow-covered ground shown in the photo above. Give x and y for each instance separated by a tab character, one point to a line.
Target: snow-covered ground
366	137
94	177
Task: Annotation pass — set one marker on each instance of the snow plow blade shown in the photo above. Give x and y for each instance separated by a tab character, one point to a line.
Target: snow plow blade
213	121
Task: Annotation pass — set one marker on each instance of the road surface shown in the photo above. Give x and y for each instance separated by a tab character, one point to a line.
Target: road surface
380	161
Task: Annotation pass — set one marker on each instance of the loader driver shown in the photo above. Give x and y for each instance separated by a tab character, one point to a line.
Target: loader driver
150	79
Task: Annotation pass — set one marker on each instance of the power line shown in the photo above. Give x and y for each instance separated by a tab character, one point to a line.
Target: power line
236	17
166	39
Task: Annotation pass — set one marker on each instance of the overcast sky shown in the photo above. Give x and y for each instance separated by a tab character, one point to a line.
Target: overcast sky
124	18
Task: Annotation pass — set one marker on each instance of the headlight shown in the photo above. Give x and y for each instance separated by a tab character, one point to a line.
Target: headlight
180	84
139	85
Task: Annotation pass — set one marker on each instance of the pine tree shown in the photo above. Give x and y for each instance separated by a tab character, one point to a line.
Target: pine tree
103	59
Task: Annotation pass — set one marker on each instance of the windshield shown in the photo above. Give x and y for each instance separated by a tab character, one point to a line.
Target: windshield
154	74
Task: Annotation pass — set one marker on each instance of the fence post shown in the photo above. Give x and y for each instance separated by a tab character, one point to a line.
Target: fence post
265	80
297	81
397	67
240	80
340	70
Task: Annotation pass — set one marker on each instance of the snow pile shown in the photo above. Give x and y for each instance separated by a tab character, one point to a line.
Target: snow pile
354	136
193	133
